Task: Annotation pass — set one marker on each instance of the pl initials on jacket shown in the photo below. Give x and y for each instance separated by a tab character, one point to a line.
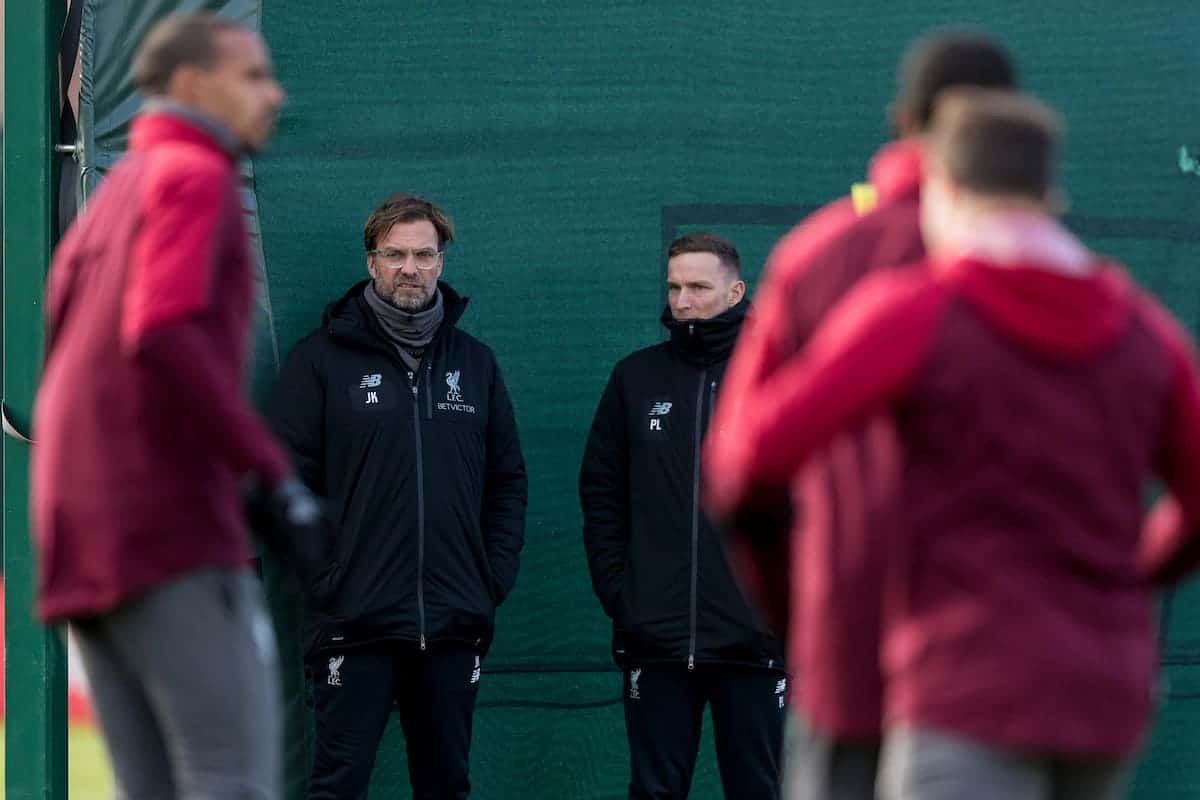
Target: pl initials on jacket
656	560
422	470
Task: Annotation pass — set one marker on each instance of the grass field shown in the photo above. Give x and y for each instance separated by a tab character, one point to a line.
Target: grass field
88	774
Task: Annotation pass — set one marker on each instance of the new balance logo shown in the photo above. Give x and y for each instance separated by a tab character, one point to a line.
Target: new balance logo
634	692
475	672
657	412
371	381
335	677
781	691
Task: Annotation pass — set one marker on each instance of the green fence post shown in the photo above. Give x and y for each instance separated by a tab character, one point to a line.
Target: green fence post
35	671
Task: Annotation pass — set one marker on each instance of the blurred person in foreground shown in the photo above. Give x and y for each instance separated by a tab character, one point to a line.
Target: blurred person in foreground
844	495
145	439
1035	391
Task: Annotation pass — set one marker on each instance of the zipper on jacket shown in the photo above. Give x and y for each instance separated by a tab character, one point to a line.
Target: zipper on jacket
420	511
428	390
696	516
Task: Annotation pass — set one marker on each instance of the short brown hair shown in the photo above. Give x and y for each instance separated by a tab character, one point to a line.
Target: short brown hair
997	143
402	207
719	246
179	40
943	60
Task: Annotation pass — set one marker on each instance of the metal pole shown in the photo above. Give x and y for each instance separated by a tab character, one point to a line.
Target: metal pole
35	667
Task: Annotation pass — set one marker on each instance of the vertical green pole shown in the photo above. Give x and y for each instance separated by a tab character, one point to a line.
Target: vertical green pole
35	667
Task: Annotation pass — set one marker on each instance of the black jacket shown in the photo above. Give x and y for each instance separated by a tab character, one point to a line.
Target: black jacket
423	473
657	562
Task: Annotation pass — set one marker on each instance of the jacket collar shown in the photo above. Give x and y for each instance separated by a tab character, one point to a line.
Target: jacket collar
706	341
161	121
350	319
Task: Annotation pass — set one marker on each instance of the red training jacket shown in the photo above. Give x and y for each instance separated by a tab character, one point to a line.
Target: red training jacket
1032	408
141	426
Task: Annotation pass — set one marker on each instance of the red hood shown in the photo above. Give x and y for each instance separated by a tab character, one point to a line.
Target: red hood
896	169
1062	316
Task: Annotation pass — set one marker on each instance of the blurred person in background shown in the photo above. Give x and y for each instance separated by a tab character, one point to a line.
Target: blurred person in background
402	420
683	633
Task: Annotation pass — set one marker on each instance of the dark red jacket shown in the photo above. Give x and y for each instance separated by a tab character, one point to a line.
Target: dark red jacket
142	430
1032	408
844	495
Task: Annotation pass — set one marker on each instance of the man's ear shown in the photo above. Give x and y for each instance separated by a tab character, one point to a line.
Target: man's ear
184	84
736	292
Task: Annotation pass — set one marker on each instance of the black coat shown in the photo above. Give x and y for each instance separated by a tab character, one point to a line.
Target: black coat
657	562
422	471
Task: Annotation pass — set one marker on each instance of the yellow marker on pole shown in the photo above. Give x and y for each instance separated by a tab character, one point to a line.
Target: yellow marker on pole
864	197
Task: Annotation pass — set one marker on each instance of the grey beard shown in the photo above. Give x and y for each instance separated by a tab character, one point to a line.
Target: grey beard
406	302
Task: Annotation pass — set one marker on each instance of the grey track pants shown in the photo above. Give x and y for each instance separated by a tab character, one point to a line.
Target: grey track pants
817	767
184	682
922	764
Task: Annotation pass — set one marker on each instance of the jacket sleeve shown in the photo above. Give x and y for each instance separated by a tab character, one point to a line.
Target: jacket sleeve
758	545
1170	544
861	359
604	495
506	491
169	288
799	284
181	355
297	412
174	258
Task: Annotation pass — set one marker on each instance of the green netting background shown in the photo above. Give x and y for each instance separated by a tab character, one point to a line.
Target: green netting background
570	141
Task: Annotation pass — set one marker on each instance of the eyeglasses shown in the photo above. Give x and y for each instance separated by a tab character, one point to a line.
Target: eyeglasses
396	259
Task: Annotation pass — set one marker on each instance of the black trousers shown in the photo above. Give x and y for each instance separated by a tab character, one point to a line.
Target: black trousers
355	691
664	712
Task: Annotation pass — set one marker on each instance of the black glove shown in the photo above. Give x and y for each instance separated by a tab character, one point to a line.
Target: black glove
293	522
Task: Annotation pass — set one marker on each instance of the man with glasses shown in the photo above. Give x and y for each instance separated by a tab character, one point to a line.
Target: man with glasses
403	422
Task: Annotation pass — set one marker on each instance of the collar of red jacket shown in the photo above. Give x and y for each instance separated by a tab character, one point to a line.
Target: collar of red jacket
160	127
896	169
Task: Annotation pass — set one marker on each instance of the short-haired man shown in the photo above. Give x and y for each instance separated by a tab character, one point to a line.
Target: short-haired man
682	631
402	421
846	494
144	434
1036	391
